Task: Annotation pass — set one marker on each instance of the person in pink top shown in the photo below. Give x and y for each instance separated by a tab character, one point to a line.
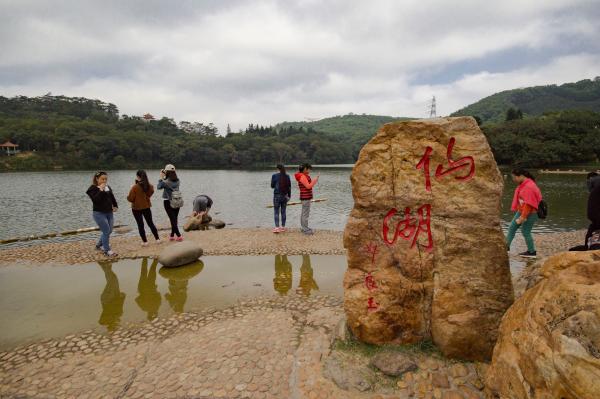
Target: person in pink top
525	203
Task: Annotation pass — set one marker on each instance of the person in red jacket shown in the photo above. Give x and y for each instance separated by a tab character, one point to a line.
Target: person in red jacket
305	184
525	203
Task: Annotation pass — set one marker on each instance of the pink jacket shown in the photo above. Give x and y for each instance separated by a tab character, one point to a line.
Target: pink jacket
529	193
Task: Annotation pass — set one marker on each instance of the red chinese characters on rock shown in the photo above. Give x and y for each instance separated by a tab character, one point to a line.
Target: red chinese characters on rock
370	282
372	306
408	228
453	166
371	249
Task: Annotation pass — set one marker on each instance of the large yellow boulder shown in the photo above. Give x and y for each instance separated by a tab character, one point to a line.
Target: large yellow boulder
549	340
426	254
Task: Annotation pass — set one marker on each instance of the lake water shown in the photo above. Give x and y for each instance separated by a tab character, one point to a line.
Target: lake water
48	202
48	301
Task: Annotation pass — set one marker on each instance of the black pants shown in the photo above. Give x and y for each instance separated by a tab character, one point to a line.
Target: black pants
593	227
146	214
173	213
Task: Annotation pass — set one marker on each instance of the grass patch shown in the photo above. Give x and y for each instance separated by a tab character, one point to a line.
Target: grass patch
354	346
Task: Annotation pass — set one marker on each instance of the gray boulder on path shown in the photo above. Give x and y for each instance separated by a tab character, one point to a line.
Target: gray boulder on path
180	254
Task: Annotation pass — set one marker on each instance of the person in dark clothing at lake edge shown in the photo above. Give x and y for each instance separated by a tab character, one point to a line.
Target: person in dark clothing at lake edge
169	182
282	192
305	184
593	212
139	196
104	205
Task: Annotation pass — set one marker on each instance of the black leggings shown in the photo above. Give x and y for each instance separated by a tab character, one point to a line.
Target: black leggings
173	213
146	214
593	227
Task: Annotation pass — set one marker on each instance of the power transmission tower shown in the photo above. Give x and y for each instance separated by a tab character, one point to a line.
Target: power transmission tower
432	113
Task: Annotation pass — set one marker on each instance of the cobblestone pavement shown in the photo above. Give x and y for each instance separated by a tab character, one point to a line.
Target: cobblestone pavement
214	242
271	347
240	242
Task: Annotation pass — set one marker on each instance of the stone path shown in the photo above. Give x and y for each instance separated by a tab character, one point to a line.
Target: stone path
273	347
215	242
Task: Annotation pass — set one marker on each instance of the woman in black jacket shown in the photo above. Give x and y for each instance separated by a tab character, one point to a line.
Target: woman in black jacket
104	205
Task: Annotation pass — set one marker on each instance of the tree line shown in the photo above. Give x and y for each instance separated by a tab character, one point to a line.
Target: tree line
78	133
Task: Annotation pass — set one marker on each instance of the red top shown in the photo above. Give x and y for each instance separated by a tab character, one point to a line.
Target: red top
527	198
305	185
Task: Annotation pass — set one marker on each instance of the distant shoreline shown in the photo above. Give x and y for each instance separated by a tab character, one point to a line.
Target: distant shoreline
575	170
565	172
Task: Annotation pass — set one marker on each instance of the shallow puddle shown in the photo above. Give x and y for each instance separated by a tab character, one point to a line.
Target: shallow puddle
41	302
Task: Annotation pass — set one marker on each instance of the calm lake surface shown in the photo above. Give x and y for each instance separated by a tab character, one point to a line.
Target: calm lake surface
35	203
48	301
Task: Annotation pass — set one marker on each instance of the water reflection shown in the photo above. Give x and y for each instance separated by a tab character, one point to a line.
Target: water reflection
150	291
148	298
112	299
107	295
178	283
307	281
282	282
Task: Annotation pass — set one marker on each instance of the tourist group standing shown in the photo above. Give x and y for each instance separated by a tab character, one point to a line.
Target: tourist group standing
282	192
140	194
105	204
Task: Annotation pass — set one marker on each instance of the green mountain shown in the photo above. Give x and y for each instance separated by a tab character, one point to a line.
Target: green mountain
345	125
537	100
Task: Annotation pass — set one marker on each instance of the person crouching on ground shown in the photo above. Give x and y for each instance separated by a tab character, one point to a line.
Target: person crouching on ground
201	207
104	205
525	203
282	192
139	196
305	184
169	182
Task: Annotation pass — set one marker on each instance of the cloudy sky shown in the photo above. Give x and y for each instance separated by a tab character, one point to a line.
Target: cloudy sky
267	61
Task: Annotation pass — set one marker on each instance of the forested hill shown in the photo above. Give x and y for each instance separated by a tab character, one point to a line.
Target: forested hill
56	132
535	101
345	125
77	133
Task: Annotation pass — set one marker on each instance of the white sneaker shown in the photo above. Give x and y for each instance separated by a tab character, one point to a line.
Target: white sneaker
158	241
144	244
111	253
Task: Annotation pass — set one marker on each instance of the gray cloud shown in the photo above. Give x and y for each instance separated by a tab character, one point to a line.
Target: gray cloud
266	61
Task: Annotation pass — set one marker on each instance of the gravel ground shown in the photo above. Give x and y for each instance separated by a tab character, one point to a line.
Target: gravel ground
238	242
214	242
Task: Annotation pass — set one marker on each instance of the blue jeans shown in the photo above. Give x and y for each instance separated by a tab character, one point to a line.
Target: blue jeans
279	203
105	221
